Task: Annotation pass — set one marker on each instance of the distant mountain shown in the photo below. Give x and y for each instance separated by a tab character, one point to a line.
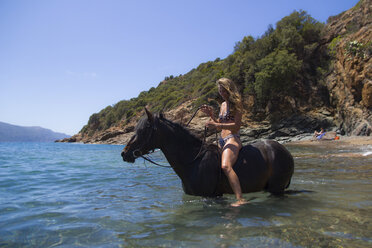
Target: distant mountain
13	133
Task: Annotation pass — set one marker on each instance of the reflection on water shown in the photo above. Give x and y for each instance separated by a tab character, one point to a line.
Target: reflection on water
84	195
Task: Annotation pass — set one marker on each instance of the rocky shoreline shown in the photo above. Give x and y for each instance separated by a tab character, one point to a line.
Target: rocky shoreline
299	126
306	139
296	129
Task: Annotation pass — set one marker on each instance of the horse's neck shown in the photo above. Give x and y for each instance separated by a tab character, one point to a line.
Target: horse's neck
179	147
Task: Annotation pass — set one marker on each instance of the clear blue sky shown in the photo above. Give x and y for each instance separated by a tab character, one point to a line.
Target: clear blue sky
63	60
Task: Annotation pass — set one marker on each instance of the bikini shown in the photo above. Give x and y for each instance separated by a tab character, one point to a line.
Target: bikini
223	118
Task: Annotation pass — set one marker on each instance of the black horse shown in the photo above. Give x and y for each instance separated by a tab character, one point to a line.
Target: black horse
265	165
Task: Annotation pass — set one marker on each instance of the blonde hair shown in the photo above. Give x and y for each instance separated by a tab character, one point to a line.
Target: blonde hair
234	96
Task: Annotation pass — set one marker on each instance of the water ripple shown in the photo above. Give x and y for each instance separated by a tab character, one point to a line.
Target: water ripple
74	195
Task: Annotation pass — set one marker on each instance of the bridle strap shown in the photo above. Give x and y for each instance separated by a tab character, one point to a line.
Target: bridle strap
192	117
137	153
147	159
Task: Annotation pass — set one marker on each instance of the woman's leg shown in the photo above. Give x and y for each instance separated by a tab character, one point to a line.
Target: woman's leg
229	156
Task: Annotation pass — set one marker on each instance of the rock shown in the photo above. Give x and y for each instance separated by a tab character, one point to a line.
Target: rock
363	129
367	94
128	129
72	139
277	134
110	135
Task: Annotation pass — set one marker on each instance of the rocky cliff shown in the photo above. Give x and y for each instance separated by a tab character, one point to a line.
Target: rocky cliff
349	35
341	101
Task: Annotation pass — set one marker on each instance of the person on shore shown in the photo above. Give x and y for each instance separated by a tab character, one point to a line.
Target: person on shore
228	122
320	134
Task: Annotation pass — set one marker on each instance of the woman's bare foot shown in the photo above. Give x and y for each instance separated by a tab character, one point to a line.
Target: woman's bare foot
239	203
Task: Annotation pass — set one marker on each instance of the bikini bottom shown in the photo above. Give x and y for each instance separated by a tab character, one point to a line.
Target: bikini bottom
222	141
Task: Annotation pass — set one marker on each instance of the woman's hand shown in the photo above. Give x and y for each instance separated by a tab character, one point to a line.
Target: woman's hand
207	110
213	124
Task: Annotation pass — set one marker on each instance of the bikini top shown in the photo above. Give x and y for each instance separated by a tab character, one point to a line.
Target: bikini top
226	116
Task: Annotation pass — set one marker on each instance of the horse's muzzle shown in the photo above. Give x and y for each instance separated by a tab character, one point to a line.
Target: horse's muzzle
128	157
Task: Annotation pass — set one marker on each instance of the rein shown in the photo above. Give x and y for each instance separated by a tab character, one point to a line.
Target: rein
202	145
153	162
205	134
192	117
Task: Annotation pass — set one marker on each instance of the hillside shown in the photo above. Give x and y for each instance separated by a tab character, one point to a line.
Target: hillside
297	77
13	133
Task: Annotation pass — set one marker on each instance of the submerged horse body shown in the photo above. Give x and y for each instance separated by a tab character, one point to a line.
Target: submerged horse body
265	165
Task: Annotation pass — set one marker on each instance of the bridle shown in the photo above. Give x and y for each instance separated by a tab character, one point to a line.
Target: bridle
138	153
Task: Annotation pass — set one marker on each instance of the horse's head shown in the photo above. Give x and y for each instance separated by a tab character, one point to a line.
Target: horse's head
142	142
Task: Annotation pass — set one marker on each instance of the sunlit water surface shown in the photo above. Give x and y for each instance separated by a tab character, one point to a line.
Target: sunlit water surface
74	195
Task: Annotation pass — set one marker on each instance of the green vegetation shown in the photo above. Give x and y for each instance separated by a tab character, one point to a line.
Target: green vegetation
277	72
333	45
268	68
358	5
358	49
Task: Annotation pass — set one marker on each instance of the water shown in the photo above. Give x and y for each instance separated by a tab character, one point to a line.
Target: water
74	195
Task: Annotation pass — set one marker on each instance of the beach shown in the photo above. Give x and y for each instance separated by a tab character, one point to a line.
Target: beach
344	141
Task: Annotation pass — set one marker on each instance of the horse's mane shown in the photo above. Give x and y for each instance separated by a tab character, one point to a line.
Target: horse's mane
183	133
178	128
180	131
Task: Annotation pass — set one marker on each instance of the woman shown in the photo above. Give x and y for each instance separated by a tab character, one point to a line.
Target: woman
228	122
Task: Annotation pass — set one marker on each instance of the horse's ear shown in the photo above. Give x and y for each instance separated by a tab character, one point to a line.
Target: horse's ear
150	117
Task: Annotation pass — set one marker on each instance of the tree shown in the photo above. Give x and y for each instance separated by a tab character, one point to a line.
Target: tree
297	30
277	74
245	44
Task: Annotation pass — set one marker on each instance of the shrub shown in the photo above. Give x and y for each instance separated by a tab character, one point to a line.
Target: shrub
277	74
358	49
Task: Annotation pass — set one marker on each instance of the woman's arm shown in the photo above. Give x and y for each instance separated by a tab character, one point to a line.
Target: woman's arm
230	126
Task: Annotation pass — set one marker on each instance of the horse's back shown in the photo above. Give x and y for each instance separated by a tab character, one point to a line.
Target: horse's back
264	165
251	169
280	163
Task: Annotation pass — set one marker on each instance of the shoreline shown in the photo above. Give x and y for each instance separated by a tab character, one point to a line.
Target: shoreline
344	148
344	140
305	140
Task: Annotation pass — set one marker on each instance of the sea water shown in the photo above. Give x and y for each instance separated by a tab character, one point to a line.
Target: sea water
76	195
